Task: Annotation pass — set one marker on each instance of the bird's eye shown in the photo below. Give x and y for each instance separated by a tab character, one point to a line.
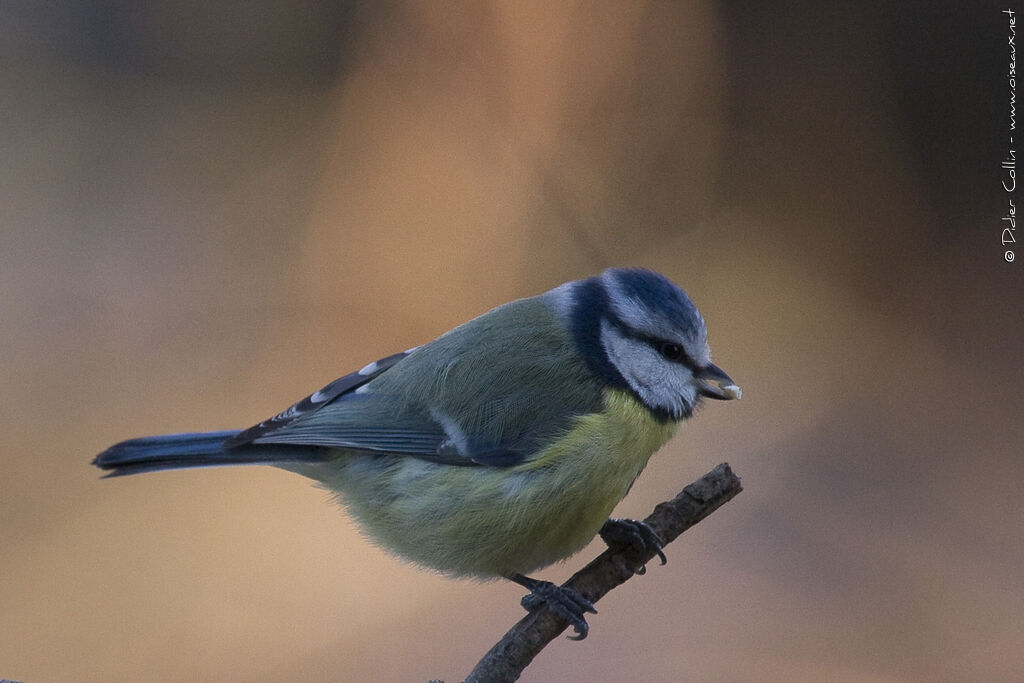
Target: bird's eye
671	352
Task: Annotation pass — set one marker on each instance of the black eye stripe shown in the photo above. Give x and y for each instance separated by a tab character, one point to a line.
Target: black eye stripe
671	351
657	344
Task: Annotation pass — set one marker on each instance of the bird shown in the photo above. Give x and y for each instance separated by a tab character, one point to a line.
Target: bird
502	446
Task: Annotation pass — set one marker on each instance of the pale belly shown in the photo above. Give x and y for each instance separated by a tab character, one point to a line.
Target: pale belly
488	522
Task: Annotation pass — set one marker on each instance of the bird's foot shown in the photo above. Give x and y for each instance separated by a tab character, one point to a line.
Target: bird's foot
638	536
565	602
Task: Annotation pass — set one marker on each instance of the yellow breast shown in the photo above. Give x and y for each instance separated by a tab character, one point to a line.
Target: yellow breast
493	521
574	484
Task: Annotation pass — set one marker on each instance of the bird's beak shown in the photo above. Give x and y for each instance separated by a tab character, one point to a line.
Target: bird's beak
712	382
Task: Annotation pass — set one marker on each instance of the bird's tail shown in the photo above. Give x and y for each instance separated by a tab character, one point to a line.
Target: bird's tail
202	449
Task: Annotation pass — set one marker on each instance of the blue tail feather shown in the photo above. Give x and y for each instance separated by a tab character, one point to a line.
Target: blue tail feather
201	449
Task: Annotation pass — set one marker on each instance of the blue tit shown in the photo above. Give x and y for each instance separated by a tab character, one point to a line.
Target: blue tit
500	447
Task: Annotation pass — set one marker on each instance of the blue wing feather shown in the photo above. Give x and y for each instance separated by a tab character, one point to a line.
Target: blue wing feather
315	401
449	401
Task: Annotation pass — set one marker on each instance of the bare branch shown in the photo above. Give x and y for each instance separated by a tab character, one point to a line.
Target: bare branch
506	660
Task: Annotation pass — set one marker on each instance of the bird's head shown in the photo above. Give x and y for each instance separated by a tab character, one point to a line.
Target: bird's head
638	330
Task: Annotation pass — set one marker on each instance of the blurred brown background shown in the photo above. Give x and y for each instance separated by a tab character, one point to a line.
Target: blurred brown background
209	210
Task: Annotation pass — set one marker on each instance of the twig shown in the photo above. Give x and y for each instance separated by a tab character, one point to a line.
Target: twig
506	660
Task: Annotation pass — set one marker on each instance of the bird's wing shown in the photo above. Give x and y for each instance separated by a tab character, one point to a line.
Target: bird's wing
314	402
449	403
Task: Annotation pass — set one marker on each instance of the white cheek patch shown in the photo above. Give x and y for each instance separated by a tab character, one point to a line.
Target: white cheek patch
658	383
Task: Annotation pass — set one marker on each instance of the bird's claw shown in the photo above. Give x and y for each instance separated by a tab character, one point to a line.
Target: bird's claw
564	602
638	536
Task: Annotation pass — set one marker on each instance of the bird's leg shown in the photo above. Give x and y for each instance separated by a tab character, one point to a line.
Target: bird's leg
565	602
630	533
